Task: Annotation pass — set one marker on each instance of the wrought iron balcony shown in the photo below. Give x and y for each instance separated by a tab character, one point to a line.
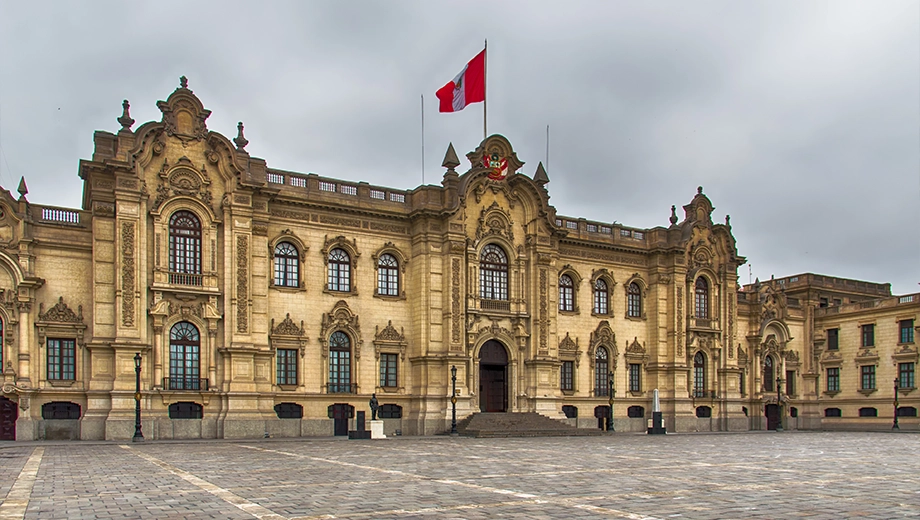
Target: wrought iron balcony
495	305
186	279
185	383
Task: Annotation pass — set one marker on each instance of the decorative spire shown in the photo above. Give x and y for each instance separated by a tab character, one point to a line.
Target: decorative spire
125	120
450	158
673	218
183	82
540	176
699	190
728	221
239	140
23	190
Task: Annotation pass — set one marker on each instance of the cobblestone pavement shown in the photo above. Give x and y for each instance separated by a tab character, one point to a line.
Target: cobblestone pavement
747	475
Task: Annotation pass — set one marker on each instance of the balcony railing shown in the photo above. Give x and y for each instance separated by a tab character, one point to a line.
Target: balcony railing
703	323
495	305
186	279
185	383
342	388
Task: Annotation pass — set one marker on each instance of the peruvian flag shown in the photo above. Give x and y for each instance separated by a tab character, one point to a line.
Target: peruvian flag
468	87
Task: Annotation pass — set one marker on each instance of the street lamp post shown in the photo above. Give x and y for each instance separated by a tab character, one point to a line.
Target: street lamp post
611	392
138	435
453	400
779	403
895	425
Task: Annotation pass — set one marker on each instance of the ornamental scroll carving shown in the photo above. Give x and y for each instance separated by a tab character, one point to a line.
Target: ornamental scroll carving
341	318
568	349
185	181
390	340
495	221
544	319
287	335
680	322
287	327
127	274
603	335
60	320
242	283
60	313
455	300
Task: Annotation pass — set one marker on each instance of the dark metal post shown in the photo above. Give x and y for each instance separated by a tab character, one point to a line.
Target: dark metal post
453	400
138	435
779	402
895	425
610	392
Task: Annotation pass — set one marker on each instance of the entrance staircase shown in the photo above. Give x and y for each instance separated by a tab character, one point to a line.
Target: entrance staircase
525	424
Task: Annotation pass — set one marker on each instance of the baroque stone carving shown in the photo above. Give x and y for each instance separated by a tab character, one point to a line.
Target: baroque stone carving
287	327
455	300
341	318
680	322
603	335
493	221
544	318
127	274
60	313
242	283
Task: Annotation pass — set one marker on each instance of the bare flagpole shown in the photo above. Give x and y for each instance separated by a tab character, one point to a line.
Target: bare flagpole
485	80
423	139
547	147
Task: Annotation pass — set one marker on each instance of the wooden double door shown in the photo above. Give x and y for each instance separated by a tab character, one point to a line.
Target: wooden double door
773	417
8	415
340	414
493	377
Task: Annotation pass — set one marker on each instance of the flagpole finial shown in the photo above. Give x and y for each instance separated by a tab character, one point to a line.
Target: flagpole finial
450	158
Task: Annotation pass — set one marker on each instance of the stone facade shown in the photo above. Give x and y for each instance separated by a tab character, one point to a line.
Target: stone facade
267	302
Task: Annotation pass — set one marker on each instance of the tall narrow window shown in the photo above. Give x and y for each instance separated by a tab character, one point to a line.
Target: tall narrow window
868	335
701	307
601	297
387	275
635	377
833	379
633	301
699	375
493	273
790	382
339	271
601	372
768	375
339	363
184	358
388	370
287	262
287	366
905	375
566	293
61	359
568	372
868	377
832	339
907	331
184	248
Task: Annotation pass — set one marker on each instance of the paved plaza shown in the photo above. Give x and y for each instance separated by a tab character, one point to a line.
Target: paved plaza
746	475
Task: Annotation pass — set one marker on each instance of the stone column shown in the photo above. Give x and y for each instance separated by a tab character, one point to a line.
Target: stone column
157	356
25	325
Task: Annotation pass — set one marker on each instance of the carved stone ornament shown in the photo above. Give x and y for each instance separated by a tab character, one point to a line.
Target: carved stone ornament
287	327
60	313
603	335
567	345
390	340
341	318
183	114
341	242
389	333
495	221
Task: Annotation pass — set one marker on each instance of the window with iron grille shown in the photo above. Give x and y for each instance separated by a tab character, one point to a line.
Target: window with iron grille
601	373
568	376
868	377
287	263
699	375
868	412
566	293
833	379
493	273
339	278
61	359
907	331
289	411
906	375
635	412
186	410
868	335
601	297
184	243
832	412
60	411
635	377
832	339
390	411
388	370
287	366
701	307
184	357
339	363
388	275
634	300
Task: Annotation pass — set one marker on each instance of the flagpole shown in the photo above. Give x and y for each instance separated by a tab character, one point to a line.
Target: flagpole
547	148
423	139
485	80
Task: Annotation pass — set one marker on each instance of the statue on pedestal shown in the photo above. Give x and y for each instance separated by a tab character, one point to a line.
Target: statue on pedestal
374	407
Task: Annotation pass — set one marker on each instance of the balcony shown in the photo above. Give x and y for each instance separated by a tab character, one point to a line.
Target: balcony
194	280
185	383
703	323
495	305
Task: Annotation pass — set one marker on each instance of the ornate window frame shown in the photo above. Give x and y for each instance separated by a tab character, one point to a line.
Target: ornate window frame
351	248
401	260
288	336
640	282
60	321
568	270
636	354
288	236
569	351
390	341
608	278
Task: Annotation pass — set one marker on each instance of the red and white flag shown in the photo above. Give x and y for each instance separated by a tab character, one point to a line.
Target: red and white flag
468	87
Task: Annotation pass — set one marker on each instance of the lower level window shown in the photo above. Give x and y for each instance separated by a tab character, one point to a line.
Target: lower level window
287	366
832	412
388	370
833	380
906	375
390	411
635	377
868	377
567	374
868	412
61	359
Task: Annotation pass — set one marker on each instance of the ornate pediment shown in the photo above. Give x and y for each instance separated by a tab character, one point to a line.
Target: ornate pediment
495	220
60	313
183	179
389	334
390	340
604	336
287	327
183	114
635	347
341	318
567	344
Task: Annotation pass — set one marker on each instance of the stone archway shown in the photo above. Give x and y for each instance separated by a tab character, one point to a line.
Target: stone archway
493	377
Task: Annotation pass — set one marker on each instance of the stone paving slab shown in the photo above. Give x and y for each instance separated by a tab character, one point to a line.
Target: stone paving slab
813	475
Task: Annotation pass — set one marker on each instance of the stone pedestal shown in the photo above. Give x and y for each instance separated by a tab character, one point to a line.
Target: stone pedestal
377	430
359	432
656	427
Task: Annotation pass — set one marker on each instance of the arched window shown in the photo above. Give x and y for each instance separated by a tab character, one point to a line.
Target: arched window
185	358
493	273
387	275
566	293
184	248
339	363
699	375
768	375
60	411
601	372
635	412
634	301
287	263
702	298
289	411
601	297
339	271
185	410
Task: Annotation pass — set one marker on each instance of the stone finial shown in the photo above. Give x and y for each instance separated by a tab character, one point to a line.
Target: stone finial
450	158
728	221
673	218
699	190
540	176
23	190
183	82
239	140
125	120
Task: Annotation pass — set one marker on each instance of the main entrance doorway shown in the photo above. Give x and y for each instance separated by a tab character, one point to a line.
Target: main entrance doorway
8	416
772	412
340	413
493	377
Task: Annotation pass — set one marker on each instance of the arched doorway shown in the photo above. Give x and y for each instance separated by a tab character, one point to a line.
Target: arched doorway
493	377
8	416
772	413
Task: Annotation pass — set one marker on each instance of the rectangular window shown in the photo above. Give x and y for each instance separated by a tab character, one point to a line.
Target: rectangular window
568	376
906	375
635	377
741	383
339	371
388	370
832	339
868	335
61	359
326	186
868	377
790	382
907	331
833	379
287	366
823	303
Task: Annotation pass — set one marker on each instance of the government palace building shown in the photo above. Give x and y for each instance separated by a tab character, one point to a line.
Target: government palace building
259	302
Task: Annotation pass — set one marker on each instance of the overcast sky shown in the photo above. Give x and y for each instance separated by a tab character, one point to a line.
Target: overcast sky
800	119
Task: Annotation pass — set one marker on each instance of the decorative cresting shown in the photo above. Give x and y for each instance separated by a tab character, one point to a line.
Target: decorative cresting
495	221
478	333
60	320
183	114
389	340
568	349
287	335
495	153
341	318
128	297
603	335
636	352
183	179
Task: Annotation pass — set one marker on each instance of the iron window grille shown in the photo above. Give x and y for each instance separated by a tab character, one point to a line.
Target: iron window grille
702	298
601	373
340	363
184	248
699	375
184	358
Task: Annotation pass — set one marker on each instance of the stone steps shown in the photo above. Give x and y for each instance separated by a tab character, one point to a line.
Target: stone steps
523	424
